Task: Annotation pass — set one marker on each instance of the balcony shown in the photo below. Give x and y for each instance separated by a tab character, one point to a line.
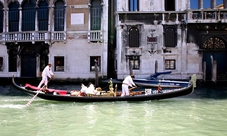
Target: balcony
47	37
33	37
164	17
95	36
207	16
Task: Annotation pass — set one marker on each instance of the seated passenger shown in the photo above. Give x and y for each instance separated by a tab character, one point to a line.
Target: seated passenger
91	89
81	92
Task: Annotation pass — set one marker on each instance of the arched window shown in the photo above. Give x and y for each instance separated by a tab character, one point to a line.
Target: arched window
59	16
28	16
96	13
133	37
43	15
1	18
13	17
215	43
170	36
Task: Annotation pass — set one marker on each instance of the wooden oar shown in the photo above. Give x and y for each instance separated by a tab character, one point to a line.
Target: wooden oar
29	102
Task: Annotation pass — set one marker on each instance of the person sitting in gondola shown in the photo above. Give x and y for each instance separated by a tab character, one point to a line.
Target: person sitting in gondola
82	91
91	89
159	89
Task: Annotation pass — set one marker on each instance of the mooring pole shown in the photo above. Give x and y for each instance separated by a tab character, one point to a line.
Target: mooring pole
96	74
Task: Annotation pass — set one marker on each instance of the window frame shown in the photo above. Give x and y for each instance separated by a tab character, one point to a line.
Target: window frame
170	35
92	63
59	63
170	64
59	16
1	64
133	5
134	61
95	15
133	37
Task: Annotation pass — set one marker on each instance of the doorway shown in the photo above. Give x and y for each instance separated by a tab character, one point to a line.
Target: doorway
215	47
28	62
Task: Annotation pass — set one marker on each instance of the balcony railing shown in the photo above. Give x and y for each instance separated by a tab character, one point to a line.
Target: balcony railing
95	36
25	36
33	36
207	16
59	36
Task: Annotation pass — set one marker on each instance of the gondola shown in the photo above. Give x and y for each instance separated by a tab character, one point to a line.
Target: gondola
147	94
154	81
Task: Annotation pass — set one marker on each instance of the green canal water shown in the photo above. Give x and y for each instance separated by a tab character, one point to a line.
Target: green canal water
203	113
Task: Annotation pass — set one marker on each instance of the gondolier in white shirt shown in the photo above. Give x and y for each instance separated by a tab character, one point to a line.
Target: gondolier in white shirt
128	82
47	72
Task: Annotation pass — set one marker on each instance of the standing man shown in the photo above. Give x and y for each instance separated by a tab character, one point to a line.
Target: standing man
128	81
47	72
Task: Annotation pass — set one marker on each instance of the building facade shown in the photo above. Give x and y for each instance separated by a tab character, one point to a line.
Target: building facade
71	34
183	36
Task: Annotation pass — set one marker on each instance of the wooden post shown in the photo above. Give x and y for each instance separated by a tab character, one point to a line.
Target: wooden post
115	91
130	69
214	71
96	74
204	71
156	66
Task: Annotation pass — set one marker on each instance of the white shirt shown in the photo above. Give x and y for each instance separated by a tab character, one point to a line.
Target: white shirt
47	71
128	81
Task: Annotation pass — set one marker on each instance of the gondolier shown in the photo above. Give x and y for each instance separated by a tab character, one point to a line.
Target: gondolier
128	82
47	72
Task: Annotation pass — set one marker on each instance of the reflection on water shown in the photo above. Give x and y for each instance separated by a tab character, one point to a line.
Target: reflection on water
201	113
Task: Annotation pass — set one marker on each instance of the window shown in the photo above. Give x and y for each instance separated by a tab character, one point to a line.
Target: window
170	36
170	5
12	60
59	63
194	4
170	64
28	16
13	17
133	37
133	5
134	62
43	15
1	18
1	63
95	60
59	16
96	13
